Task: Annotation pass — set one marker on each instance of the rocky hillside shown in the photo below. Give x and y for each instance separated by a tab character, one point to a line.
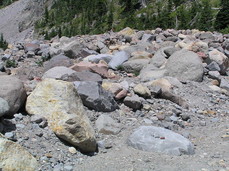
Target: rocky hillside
18	18
128	100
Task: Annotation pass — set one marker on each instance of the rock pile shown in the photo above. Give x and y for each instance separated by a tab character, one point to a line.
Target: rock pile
89	90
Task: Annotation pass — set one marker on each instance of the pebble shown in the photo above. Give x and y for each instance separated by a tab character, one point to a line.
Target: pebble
68	168
72	150
215	120
147	121
18	117
20	126
36	118
202	123
174	118
185	117
160	116
11	136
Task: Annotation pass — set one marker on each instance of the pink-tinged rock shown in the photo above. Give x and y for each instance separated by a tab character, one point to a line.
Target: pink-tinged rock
122	94
31	47
202	55
100	68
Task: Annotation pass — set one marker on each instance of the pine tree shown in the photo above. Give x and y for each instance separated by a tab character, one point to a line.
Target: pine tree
206	17
222	18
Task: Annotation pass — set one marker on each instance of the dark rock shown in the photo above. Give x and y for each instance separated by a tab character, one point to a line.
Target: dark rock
95	97
133	102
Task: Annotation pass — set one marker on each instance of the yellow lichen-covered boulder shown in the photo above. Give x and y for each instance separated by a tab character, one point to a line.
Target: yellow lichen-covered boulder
59	102
14	157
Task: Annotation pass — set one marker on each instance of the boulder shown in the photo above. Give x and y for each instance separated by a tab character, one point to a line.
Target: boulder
15	157
185	65
148	38
134	102
140	55
84	76
106	125
100	68
4	107
213	66
156	139
160	57
59	73
221	59
31	47
117	89
135	66
224	83
142	90
12	90
126	32
151	72
59	102
72	49
118	59
206	35
96	58
58	60
95	97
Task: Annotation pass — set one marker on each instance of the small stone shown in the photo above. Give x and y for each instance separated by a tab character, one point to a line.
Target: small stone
185	117
174	118
39	134
18	117
147	121
72	150
160	116
215	120
10	136
20	126
48	155
202	123
36	118
68	168
146	107
43	124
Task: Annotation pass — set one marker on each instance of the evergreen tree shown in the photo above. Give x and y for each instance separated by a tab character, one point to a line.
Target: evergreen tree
222	18
206	17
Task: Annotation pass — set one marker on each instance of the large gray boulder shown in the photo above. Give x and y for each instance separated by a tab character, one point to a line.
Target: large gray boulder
12	90
96	58
4	107
118	59
156	139
58	72
72	49
95	97
135	66
84	76
151	72
134	102
185	65
160	57
58	60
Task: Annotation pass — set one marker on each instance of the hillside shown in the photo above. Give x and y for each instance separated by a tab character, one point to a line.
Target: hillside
18	18
69	18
